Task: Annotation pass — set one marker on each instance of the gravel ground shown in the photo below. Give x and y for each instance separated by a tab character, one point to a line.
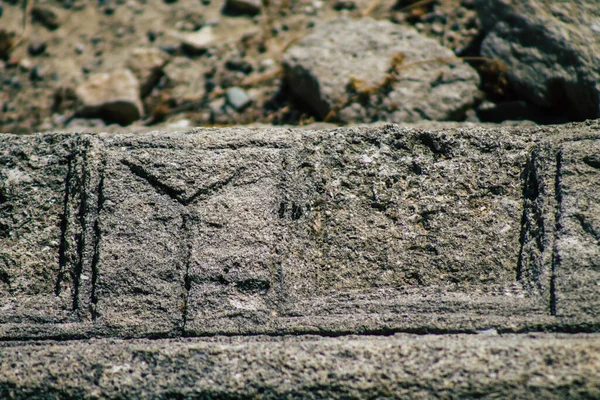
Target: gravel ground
199	63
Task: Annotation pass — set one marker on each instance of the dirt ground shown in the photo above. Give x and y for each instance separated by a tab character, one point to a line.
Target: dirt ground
49	47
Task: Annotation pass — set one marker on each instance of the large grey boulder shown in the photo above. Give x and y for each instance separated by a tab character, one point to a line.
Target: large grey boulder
329	68
551	50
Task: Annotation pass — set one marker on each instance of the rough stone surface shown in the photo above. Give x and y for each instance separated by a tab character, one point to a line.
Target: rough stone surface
114	97
272	230
351	231
562	225
320	69
32	211
186	78
551	50
402	366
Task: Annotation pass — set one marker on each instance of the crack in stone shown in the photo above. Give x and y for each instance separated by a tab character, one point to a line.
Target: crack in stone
187	283
587	226
175	194
62	256
96	245
529	196
81	237
557	215
154	181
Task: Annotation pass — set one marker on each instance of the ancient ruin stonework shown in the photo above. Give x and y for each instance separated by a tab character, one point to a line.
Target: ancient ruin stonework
363	230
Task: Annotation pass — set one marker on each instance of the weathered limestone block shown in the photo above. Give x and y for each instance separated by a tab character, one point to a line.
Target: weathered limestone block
34	286
561	234
248	231
378	230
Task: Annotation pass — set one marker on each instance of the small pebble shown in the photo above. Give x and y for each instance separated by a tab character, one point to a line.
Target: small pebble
45	16
251	7
239	65
16	83
36	48
340	5
151	34
169	49
217	106
266	64
238	98
25	65
181	124
36	74
437	28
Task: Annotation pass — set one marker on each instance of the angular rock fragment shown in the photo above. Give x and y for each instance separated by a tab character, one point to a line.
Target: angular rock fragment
196	43
186	77
551	51
366	70
238	98
114	97
147	66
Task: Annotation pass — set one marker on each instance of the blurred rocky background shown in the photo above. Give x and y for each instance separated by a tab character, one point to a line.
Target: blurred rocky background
135	65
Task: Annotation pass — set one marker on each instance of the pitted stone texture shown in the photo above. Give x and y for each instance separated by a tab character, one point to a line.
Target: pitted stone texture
545	366
320	67
551	50
35	287
561	236
139	287
577	271
364	229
